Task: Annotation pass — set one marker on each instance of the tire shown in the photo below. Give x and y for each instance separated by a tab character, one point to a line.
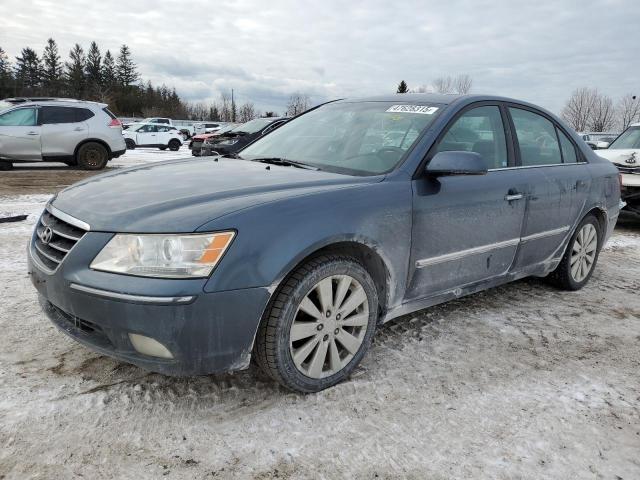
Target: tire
579	260
5	166
290	361
131	145
92	156
174	145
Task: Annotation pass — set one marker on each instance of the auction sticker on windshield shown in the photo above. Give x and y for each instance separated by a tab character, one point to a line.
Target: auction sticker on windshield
423	109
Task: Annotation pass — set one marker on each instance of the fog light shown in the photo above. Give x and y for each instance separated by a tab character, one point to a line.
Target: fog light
149	346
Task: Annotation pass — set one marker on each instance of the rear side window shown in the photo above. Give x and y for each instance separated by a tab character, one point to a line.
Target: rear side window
536	138
478	130
83	114
568	150
23	117
51	115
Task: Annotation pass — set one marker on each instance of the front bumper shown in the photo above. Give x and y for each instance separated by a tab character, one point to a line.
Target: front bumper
207	333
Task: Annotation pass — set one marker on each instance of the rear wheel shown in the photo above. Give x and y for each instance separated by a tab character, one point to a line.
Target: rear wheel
579	261
92	156
130	143
320	324
174	145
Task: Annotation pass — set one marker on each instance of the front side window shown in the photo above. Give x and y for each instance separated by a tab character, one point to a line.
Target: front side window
536	138
54	115
22	117
630	138
478	130
354	138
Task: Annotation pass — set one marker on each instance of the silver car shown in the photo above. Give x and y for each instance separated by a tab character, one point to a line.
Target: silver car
74	132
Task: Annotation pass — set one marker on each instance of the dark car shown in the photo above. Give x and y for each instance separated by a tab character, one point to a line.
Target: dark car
240	136
195	145
293	251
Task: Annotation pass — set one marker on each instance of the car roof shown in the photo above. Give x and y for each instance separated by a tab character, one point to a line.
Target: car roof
72	102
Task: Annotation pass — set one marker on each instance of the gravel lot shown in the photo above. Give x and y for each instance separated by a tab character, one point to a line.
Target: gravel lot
522	381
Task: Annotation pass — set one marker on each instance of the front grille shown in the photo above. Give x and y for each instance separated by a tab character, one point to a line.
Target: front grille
54	239
77	326
624	169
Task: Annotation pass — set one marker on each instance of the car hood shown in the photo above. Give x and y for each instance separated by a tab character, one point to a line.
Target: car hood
627	157
181	195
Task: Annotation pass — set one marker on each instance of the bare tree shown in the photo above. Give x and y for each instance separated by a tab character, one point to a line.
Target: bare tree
247	112
578	109
462	83
297	104
603	114
628	110
443	85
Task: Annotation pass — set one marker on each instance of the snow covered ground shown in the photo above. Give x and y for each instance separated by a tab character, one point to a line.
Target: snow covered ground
522	381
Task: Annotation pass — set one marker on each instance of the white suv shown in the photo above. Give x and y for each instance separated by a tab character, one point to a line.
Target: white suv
75	132
153	135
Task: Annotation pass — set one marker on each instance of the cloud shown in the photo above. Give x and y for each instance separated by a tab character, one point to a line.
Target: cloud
537	51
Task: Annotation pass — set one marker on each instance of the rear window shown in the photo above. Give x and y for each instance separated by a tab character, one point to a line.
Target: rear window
108	112
83	114
56	115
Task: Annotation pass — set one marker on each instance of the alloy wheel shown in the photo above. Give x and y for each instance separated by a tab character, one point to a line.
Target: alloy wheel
329	326
584	251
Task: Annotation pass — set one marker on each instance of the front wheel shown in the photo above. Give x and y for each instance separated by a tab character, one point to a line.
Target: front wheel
320	324
174	145
130	144
579	261
92	156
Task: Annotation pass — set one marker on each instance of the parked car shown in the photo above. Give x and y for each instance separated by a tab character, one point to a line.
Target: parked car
298	247
240	136
74	132
159	120
154	136
195	145
200	128
624	153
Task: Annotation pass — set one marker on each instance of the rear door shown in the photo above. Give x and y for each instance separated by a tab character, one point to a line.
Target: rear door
63	128
466	228
20	134
558	180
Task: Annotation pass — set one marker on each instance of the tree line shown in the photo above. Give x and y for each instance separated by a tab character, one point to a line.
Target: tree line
459	84
588	110
114	79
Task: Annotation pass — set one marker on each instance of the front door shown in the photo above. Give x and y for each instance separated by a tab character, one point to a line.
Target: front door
467	228
147	135
559	182
20	135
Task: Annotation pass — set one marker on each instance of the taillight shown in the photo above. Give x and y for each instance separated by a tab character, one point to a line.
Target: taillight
115	123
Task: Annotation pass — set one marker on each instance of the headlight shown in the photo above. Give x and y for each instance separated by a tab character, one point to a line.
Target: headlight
165	256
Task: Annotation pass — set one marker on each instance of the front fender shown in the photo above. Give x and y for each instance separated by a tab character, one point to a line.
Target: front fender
274	237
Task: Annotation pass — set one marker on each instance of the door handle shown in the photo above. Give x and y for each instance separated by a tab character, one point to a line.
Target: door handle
78	129
32	133
510	197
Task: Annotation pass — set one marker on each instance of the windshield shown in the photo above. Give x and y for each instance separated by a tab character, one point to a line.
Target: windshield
362	138
253	126
630	138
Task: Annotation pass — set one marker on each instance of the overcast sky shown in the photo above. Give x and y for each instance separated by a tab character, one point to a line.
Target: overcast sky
536	50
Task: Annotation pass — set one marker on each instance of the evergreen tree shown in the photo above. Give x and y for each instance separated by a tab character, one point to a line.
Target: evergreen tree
402	87
109	75
125	68
93	70
76	80
6	76
52	68
28	71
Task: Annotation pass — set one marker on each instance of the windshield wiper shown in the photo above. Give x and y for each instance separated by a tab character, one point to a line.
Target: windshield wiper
284	162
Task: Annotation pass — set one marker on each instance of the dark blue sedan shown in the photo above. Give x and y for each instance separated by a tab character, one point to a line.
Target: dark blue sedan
295	249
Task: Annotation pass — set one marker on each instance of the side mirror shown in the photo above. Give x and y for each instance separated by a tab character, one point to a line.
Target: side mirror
456	163
602	145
